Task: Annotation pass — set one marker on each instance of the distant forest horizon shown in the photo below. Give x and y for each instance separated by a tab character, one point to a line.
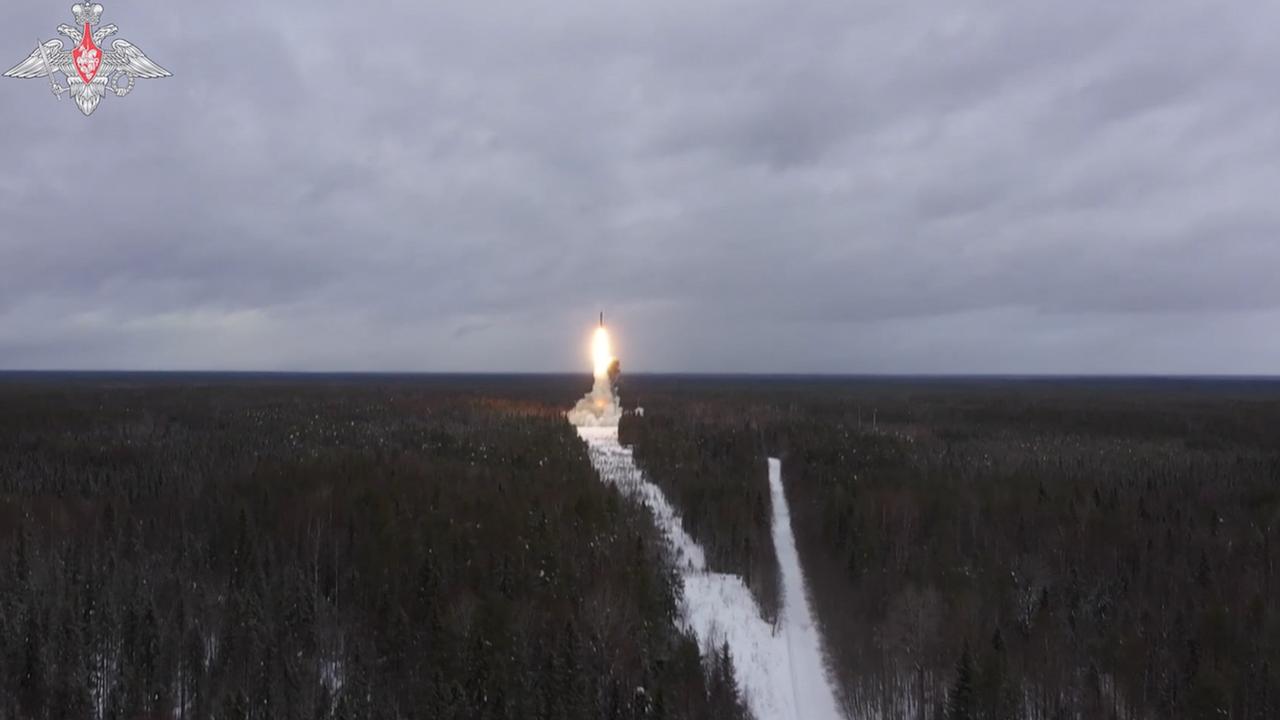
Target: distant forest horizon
958	376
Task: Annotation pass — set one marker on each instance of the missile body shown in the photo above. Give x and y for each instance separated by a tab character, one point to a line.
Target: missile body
601	318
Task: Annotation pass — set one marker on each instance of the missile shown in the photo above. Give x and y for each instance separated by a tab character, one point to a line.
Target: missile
601	318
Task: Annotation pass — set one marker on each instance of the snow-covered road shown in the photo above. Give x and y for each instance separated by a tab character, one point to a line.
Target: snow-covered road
781	673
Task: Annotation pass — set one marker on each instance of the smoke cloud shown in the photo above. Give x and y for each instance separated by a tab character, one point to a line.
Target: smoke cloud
601	407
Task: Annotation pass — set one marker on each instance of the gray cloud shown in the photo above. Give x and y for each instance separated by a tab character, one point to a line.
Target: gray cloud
743	186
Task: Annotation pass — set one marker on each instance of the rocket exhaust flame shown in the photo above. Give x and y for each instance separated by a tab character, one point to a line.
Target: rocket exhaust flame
601	352
600	407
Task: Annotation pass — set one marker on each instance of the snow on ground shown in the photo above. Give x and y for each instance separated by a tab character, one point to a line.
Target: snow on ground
814	699
780	672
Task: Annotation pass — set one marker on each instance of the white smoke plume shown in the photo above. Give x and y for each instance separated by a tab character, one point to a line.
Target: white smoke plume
598	408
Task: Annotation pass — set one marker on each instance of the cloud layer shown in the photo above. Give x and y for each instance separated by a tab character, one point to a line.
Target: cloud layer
940	186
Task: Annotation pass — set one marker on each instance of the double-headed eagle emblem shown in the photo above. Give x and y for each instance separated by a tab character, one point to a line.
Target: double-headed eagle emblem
91	72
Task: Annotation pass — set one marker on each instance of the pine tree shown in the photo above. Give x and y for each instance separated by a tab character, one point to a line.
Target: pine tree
725	697
960	701
995	696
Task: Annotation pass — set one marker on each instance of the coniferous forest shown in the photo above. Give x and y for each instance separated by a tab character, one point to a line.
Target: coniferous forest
440	547
1017	548
341	548
710	470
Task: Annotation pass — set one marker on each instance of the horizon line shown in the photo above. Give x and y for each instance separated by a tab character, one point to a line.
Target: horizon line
663	373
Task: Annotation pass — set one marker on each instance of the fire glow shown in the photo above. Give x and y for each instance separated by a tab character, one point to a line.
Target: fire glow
601	352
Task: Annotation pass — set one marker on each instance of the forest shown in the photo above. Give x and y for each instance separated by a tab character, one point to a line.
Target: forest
327	547
243	546
988	548
709	468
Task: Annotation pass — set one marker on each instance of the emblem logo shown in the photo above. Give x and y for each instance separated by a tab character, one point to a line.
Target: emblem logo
90	72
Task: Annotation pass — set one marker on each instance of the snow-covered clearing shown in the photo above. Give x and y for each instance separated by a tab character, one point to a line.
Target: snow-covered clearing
814	696
779	670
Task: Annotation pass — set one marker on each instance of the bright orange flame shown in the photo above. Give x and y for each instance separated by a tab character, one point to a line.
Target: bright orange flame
601	352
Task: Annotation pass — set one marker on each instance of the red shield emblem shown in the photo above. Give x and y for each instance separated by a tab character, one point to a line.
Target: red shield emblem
87	56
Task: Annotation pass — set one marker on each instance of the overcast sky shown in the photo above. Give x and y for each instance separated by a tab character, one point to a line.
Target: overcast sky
889	186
